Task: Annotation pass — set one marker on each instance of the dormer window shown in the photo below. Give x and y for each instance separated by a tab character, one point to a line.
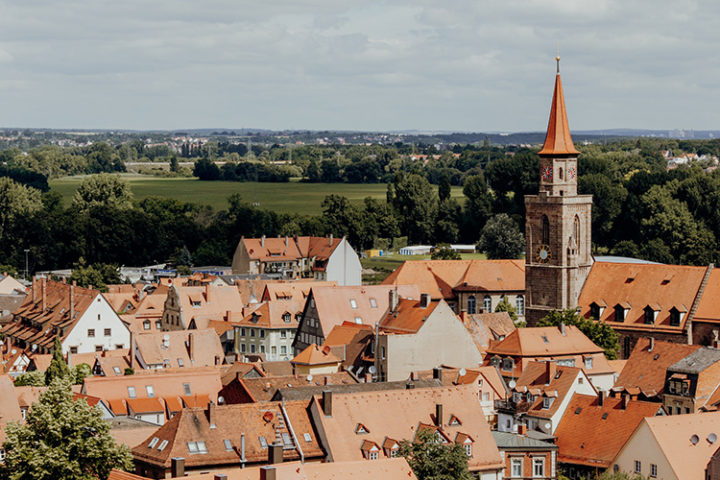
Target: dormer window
286	317
621	310
677	315
360	429
495	361
588	362
597	309
507	364
454	421
391	448
547	402
517	397
650	314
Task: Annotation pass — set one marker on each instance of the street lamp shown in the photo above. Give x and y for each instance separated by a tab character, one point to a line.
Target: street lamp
26	263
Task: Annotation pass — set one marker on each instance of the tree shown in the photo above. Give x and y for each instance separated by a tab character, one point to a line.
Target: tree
431	459
99	275
62	439
504	305
206	170
174	165
477	206
36	378
445	252
16	200
80	372
501	238
416	206
599	332
103	190
58	368
444	188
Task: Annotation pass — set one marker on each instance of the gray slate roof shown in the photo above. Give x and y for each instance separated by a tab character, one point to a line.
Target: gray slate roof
302	393
697	361
506	440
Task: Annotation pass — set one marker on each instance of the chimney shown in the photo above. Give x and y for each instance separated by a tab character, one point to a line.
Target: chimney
72	299
438	415
424	300
220	476
368	378
34	289
327	402
177	467
287	241
652	344
409	385
326	380
331	239
601	398
393	299
268	473
550	369
207	293
132	350
262	241
242	447
211	414
44	293
439	373
522	429
625	401
90	287
275	454
562	328
191	346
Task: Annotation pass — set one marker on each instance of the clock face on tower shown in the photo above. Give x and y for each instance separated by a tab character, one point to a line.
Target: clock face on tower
547	173
543	254
571	173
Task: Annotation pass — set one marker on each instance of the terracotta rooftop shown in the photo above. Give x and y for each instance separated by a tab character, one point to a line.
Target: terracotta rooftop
636	286
534	379
440	278
221	428
314	355
558	140
614	419
297	290
9	407
275	314
645	368
398	414
179	348
209	301
408	317
264	389
709	307
544	342
487	328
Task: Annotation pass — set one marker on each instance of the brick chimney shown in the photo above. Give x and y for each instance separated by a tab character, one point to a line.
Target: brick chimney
211	414
327	397
550	369
331	239
44	293
424	300
72	298
262	241
601	398
275	454
268	473
438	415
191	346
393	299
177	467
34	288
625	401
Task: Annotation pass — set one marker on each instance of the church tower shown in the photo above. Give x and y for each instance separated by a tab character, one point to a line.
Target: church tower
557	222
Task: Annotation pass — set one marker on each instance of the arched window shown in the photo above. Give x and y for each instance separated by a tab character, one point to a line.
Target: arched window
561	173
520	305
471	304
545	230
576	232
487	304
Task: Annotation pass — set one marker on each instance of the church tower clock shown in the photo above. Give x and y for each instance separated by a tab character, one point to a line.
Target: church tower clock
557	222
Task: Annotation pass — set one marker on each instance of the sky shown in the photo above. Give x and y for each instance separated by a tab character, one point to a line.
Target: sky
429	65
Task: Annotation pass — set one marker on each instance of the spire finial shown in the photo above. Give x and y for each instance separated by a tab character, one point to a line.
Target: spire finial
557	58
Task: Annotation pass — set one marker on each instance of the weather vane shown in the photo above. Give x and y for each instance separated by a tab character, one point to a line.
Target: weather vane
557	57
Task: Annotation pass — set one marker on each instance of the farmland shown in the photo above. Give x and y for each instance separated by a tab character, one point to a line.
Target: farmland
292	197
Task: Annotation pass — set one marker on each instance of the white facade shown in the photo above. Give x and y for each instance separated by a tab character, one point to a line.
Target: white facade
343	266
99	328
275	344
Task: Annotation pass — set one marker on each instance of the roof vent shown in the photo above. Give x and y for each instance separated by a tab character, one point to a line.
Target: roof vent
694	439
712	438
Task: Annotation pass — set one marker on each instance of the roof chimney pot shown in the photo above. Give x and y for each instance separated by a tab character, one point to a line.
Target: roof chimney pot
177	467
268	473
327	397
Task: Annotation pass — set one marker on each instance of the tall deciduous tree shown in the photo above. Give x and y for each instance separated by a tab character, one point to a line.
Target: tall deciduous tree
416	206
501	238
600	333
431	459
477	206
16	200
103	190
62	439
58	368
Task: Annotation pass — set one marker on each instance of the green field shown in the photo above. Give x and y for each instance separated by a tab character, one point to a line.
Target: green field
292	197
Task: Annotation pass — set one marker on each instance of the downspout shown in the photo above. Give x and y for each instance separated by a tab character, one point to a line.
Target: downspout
242	451
292	432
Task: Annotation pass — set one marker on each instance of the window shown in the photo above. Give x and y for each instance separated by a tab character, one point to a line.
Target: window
252	348
262	333
98	348
283	334
588	362
116	370
486	396
545	230
675	317
131	392
146	325
283	350
547	402
263	442
197	447
649	316
273	350
576	232
228	445
520	305
373	303
262	348
73	350
180	362
471	304
307	437
538	467
508	364
286	317
163	444
653	470
487	304
638	466
373	455
153	442
252	332
242	347
150	391
353	303
516	467
91	332
468	449
158	325
242	332
107	332
382	353
619	313
186	388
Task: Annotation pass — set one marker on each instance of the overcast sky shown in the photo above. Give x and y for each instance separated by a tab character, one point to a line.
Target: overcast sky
362	65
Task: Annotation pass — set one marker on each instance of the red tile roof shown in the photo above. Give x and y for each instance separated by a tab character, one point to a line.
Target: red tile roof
610	426
407	317
314	355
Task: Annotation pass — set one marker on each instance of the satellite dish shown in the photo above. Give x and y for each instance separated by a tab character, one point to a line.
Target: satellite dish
462	372
694	439
221	400
512	384
372	369
309	378
166	337
712	438
548	426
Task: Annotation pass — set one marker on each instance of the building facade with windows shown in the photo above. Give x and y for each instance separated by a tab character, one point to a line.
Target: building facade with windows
526	457
269	330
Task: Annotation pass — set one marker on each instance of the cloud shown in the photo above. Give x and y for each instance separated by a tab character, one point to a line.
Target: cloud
375	65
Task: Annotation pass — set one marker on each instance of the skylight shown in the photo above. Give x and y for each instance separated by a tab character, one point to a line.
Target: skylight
307	437
228	445
162	446
153	442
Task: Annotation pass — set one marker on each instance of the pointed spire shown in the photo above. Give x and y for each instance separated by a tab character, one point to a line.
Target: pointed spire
558	140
